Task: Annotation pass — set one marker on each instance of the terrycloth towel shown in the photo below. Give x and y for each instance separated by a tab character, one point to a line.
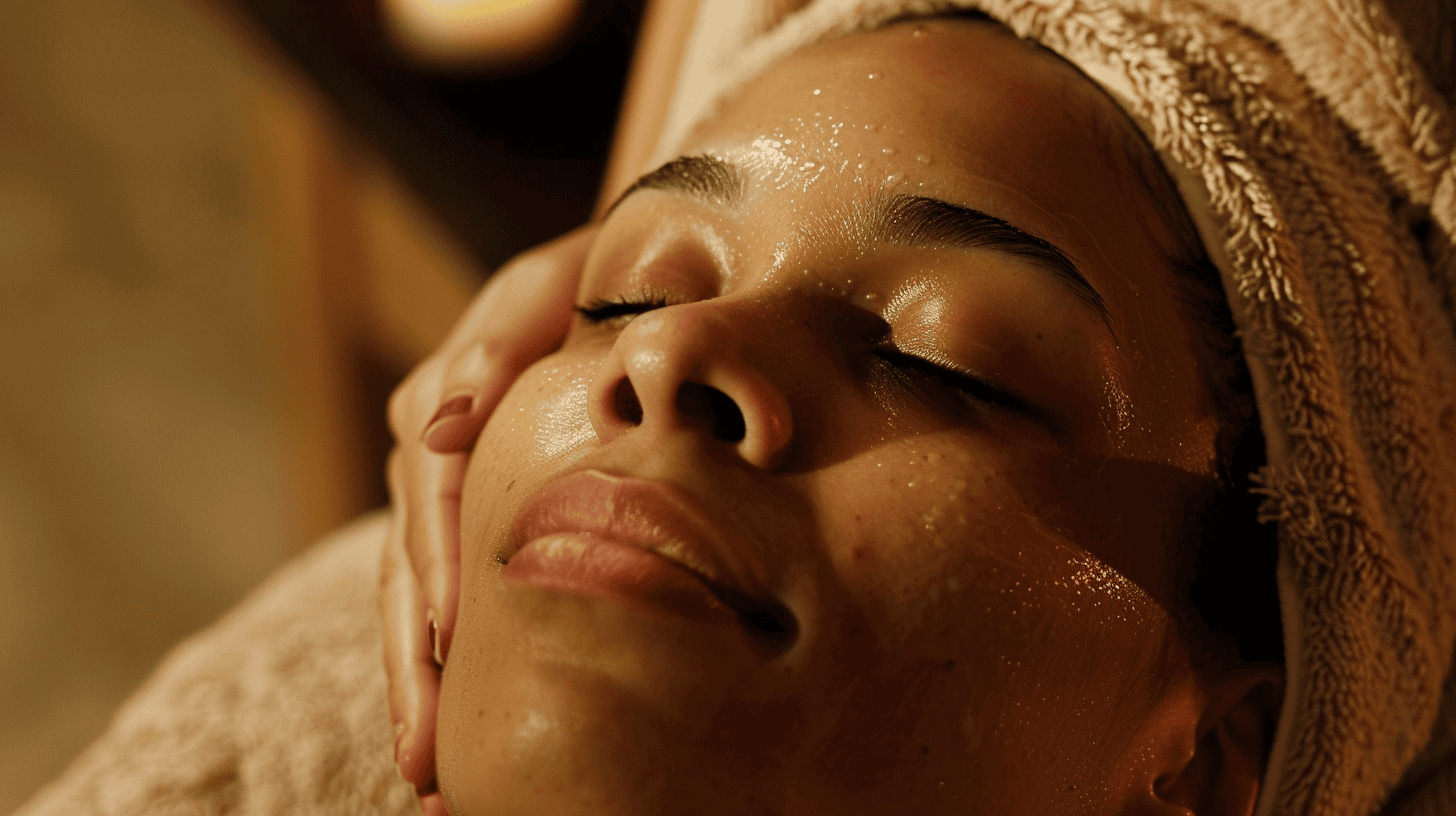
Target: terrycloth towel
279	708
1317	159
1318	162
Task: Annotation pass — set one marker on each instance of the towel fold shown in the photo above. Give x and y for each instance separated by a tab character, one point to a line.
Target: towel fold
278	708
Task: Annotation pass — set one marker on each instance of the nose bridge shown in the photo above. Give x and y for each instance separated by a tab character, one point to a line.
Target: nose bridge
695	354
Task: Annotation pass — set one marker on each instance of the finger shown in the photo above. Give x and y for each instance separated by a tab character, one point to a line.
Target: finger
431	492
416	398
523	314
531	306
432	804
510	291
527	310
426	491
535	293
414	679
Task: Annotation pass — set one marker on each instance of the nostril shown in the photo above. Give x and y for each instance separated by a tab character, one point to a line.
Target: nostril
713	407
625	403
728	424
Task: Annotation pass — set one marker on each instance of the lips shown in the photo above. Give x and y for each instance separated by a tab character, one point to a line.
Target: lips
642	542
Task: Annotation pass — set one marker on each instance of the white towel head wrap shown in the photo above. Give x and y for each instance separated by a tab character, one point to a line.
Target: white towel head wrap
1317	160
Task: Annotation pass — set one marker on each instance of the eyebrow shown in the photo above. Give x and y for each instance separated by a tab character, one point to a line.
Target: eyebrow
698	176
908	220
930	223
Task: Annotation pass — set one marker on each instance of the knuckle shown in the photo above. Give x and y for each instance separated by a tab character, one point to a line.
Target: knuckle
500	348
412	398
397	482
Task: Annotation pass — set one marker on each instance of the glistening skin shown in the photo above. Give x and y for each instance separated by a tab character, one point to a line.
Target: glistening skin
874	480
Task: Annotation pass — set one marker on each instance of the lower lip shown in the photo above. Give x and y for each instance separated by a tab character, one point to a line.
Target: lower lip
586	564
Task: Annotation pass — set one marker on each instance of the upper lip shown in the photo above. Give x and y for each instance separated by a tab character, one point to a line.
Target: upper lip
661	518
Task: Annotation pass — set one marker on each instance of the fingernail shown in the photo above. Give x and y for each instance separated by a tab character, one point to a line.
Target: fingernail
435	640
399	735
451	407
451	429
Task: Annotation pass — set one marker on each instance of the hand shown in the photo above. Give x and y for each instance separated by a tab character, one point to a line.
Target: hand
436	415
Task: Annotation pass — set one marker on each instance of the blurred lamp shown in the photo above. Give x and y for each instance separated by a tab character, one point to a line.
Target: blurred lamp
479	33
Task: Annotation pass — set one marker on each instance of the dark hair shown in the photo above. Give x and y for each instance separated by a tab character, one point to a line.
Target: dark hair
1230	596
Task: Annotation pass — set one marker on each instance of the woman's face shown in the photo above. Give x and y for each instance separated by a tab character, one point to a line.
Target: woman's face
845	495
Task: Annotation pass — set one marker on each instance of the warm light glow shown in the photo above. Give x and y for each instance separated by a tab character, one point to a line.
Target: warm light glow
466	32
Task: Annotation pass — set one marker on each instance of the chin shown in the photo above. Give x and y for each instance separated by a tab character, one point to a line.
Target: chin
586	705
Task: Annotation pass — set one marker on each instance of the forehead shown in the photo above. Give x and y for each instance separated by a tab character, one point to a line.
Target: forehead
920	101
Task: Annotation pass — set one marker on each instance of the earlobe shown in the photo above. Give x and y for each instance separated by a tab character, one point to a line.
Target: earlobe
1234	733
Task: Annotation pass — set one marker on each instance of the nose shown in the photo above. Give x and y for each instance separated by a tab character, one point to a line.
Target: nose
687	369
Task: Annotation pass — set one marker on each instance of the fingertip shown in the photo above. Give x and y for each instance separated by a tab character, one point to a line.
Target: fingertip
433	804
414	755
564	251
580	238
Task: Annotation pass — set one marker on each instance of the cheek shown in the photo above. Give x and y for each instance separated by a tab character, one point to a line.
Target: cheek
951	519
1013	640
543	417
540	427
560	424
933	509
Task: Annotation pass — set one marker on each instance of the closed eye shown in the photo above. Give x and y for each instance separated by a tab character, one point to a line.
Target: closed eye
960	381
604	310
601	310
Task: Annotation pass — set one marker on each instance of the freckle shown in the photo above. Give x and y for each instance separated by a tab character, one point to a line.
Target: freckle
950	663
859	518
925	750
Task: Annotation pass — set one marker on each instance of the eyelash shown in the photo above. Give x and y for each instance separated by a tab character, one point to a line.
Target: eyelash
960	381
604	310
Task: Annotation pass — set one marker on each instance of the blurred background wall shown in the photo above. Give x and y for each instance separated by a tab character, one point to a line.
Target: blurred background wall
226	230
140	482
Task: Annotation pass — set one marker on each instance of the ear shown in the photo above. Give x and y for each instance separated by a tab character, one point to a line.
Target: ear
1230	746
